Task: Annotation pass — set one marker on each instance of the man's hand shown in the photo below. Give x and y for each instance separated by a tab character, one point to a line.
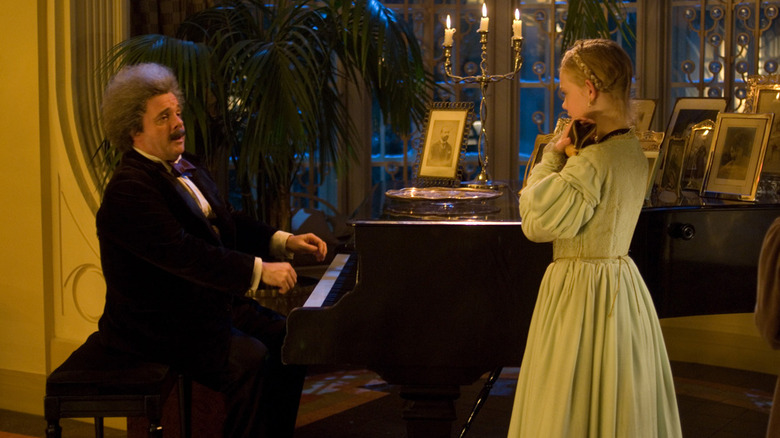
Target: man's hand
281	275
308	243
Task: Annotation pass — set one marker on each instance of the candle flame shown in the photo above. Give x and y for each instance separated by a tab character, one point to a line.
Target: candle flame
484	10
448	21
517	14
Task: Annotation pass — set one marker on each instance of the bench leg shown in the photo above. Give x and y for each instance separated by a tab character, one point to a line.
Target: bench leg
185	406
53	429
98	427
51	410
155	429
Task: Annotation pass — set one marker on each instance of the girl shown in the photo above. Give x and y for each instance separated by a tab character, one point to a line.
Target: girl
595	364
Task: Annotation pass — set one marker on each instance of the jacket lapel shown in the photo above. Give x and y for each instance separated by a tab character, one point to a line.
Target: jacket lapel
222	217
179	199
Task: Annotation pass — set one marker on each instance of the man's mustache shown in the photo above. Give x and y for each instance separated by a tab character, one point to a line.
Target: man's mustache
179	133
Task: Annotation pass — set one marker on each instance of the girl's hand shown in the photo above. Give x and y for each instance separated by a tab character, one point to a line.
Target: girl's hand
563	142
578	133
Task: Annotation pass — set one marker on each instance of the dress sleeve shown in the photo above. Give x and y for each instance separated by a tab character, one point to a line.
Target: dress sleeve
559	198
767	315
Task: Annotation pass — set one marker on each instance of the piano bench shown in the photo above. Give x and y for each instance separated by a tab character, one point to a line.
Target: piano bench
98	382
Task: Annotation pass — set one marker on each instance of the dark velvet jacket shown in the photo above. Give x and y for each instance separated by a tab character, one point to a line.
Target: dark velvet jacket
171	278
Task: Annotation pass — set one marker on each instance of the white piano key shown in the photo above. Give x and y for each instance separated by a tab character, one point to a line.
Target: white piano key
320	292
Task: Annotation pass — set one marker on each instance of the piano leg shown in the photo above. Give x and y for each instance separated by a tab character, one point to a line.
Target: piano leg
429	410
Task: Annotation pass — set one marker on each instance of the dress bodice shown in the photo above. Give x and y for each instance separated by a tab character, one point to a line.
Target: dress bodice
589	205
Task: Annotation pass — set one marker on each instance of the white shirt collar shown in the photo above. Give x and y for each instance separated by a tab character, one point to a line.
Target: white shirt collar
155	158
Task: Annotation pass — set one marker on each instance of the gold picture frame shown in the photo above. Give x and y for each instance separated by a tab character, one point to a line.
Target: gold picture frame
734	166
697	154
643	111
444	147
541	141
651	146
764	97
687	112
539	144
669	187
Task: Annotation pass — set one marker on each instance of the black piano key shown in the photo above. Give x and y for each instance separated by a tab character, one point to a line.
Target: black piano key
344	283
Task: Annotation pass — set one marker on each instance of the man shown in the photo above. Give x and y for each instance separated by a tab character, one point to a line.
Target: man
178	262
441	151
767	312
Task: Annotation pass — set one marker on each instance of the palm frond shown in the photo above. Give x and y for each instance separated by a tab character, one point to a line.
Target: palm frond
390	61
590	19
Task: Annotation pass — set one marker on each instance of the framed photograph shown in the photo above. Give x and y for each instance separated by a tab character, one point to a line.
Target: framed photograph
541	141
536	156
651	146
734	166
439	158
687	112
697	154
669	189
764	97
644	110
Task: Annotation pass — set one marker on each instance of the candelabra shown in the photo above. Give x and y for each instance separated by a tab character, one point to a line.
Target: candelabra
483	179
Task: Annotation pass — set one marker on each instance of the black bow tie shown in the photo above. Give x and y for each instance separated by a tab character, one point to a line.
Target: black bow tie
182	167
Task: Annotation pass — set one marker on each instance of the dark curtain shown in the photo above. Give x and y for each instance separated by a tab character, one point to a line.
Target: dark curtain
162	16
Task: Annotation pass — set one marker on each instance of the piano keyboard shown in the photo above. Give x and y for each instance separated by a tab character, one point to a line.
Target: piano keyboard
337	280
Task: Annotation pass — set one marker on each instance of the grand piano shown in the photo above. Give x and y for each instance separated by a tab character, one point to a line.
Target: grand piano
440	292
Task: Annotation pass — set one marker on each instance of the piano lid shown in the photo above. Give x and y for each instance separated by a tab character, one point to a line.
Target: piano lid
393	204
390	203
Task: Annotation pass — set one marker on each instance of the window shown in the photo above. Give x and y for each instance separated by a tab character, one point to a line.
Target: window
717	45
518	110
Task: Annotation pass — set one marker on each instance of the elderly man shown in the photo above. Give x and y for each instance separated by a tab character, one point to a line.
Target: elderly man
178	263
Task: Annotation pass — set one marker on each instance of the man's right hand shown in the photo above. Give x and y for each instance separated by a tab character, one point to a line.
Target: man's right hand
279	274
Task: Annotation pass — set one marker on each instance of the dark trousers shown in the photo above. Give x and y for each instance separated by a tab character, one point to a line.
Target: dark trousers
262	395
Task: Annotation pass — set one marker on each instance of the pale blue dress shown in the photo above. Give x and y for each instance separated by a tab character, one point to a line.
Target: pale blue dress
595	364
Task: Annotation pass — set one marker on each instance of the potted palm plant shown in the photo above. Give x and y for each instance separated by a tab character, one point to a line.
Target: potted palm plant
262	82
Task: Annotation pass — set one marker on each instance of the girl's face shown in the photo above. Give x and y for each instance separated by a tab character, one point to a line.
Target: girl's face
575	97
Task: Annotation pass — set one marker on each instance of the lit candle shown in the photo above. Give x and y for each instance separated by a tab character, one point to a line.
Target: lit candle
517	26
448	32
483	23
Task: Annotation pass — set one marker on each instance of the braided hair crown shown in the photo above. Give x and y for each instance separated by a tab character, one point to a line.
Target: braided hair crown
602	62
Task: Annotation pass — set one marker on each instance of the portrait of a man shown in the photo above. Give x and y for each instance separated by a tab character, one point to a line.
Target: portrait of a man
443	144
442	149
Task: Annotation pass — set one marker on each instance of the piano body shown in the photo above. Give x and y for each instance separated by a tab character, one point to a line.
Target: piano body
442	296
699	256
445	290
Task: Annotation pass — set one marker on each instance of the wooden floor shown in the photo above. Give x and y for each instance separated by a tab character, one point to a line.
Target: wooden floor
714	402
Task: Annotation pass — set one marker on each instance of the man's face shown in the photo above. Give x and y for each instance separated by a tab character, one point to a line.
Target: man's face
163	132
445	134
